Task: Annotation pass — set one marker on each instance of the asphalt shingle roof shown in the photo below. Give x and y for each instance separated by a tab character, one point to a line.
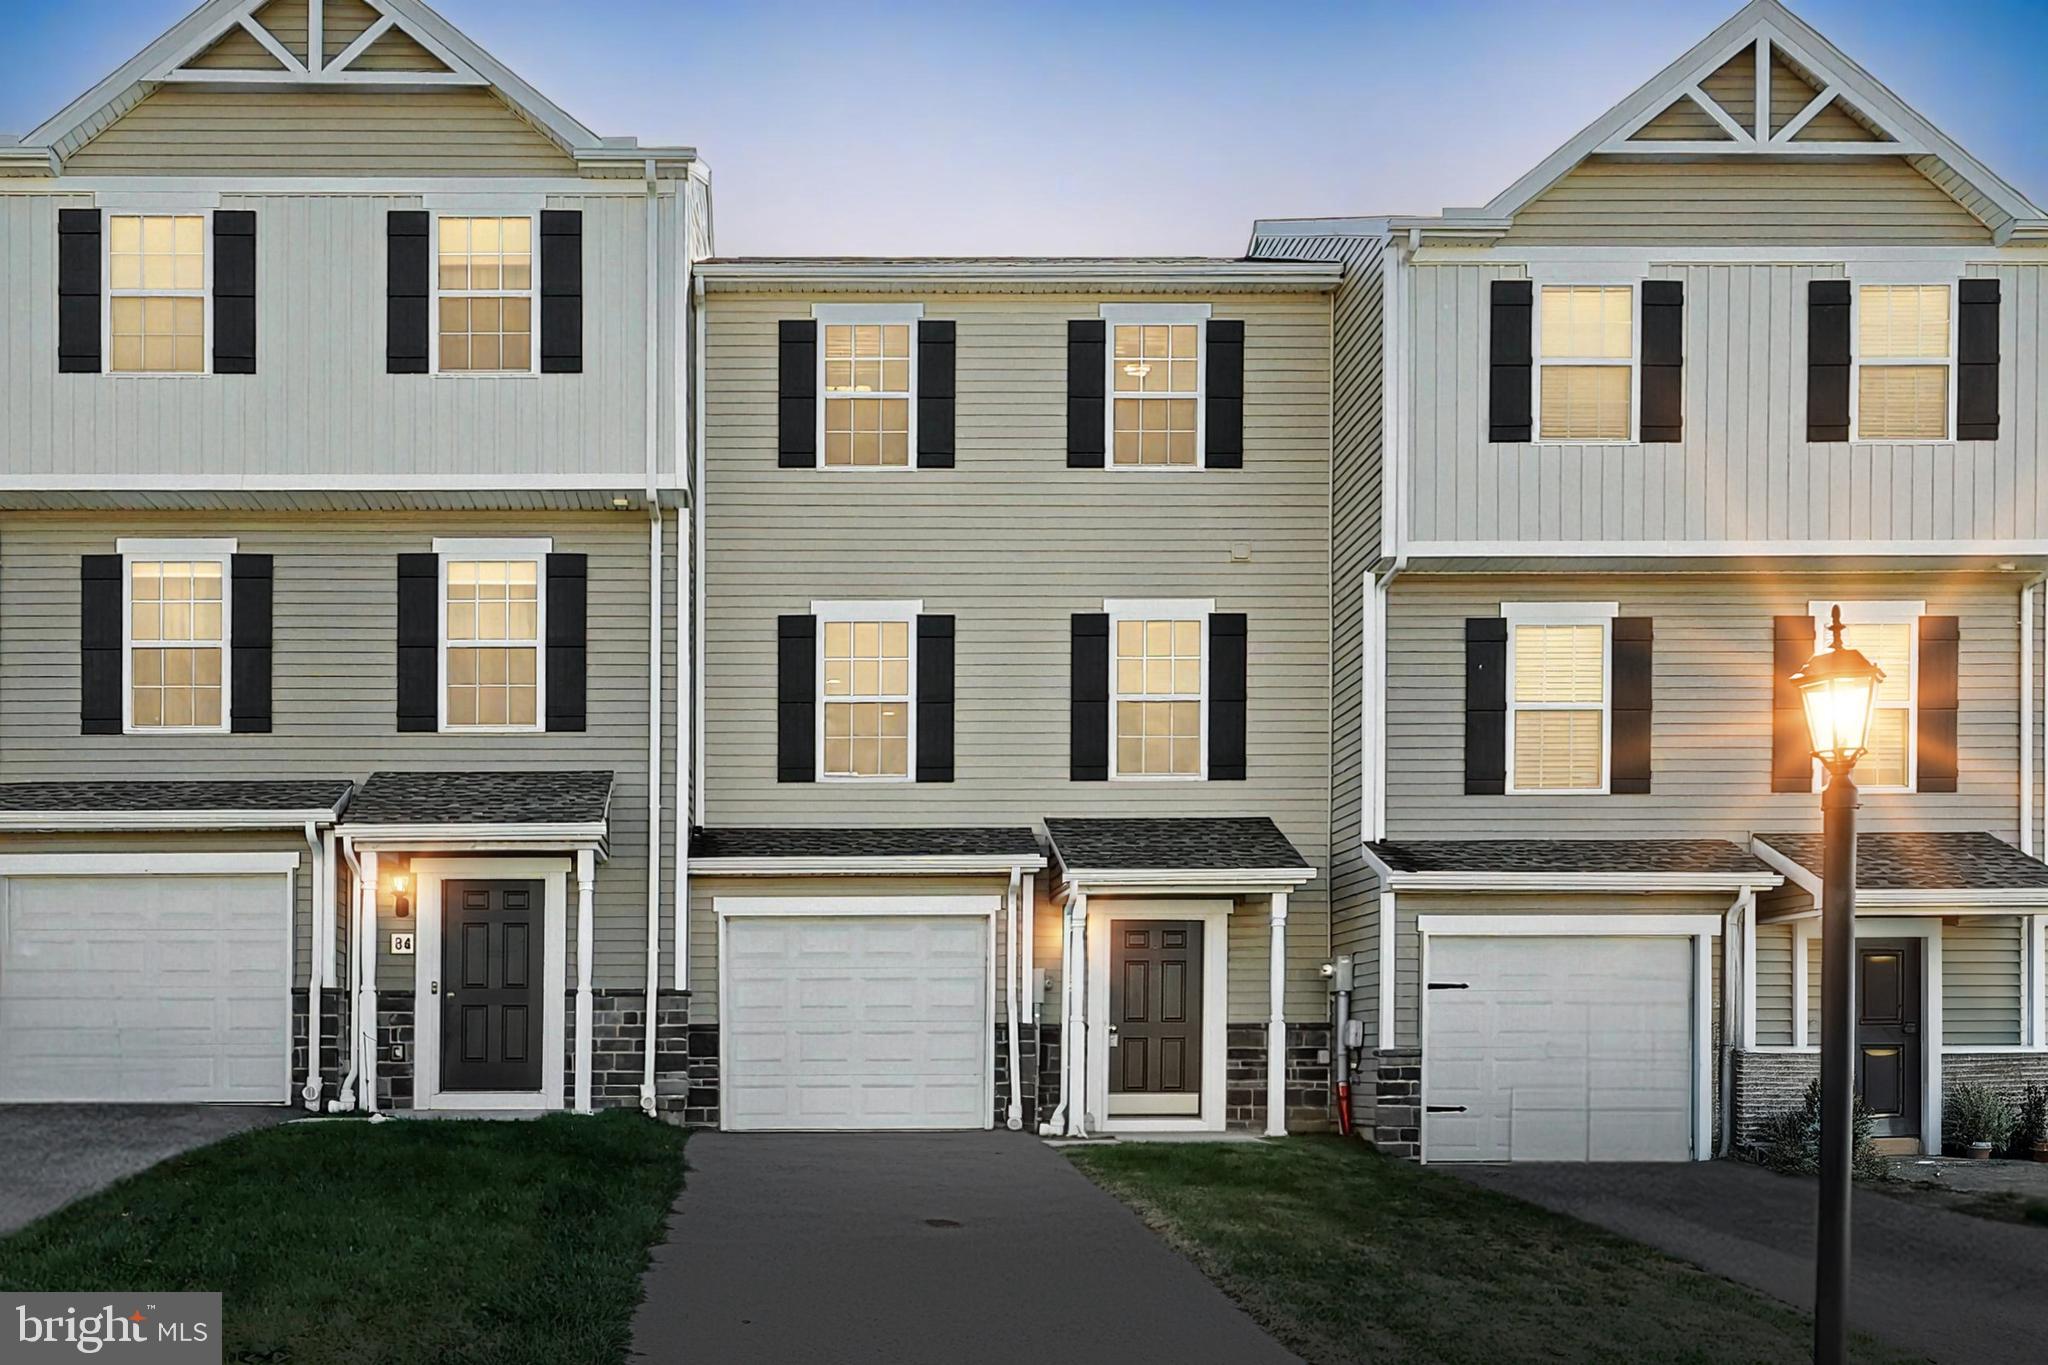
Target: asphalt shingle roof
865	842
1567	855
169	797
1960	861
1195	842
500	798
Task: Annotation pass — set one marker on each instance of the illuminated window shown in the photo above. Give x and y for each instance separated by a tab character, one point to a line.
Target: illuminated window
177	633
1156	689
485	295
1557	701
867	393
1155	373
866	698
1903	355
491	638
156	293
1888	634
1585	363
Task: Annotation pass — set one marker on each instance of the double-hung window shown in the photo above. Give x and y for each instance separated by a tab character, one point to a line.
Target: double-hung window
1585	362
156	293
1888	634
1558	693
1158	688
492	628
485	295
1905	359
1155	385
177	622
868	363
866	667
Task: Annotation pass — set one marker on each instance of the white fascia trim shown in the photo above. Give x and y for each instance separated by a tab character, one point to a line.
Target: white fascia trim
1281	229
140	820
1155	312
832	907
1091	880
567	835
1560	613
1552	926
625	481
868	611
208	547
1795	872
1704	549
522	547
935	864
866	312
145	864
720	276
312	186
1633	261
1645	883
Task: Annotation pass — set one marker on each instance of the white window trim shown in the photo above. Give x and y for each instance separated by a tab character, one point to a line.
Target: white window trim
1157	314
1600	614
853	314
1857	281
824	612
1158	609
1634	363
537	549
108	293
221	548
1855	613
435	292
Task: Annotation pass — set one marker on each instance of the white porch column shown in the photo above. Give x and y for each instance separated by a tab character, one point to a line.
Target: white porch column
1074	1043
2037	976
585	941
1276	1026
365	1021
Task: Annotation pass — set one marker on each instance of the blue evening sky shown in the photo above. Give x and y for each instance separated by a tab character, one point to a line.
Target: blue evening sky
1136	127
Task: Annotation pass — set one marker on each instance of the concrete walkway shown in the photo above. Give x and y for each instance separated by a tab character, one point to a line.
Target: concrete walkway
55	1153
1950	1286
907	1248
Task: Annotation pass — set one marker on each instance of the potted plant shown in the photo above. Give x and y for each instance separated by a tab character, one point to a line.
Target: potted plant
1975	1120
2030	1133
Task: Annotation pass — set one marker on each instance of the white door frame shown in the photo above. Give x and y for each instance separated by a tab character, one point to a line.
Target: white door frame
553	874
1214	916
986	906
1701	929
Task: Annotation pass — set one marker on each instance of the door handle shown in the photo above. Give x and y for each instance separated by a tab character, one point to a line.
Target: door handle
434	988
1112	1035
1909	1029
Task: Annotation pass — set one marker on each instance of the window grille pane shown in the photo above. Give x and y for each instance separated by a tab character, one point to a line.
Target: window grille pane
1586	402
1559	663
1902	321
1557	750
1902	402
1582	322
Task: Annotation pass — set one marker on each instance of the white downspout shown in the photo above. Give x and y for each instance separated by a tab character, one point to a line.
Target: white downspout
653	1010
2027	717
1015	1118
322	948
1074	1046
1733	924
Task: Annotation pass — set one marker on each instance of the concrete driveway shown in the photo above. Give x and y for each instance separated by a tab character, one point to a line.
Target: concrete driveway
1947	1285
908	1248
55	1153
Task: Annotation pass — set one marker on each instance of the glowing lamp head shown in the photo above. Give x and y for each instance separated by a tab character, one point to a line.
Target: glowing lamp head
1838	687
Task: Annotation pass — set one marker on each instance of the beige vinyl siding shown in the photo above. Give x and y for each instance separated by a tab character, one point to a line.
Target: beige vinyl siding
342	22
1733	87
1745	472
321	405
1012	543
1981	981
1711	729
1790	92
1773	985
1814	959
396	51
198	130
1745	202
333	683
1683	120
1834	124
290	22
237	50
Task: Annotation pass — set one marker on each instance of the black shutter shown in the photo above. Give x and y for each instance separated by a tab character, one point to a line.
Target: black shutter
1226	696
1935	764
419	642
1088	694
78	302
796	390
99	644
1087	372
935	698
1486	705
1827	364
935	395
568	652
1977	361
1223	423
234	292
1629	767
1509	353
406	273
1792	640
796	698
1663	377
561	291
249	577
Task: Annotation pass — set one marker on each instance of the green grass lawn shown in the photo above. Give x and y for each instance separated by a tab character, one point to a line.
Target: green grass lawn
391	1243
1345	1255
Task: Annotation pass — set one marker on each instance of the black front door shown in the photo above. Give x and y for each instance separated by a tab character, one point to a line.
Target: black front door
1155	1012
1888	1033
490	985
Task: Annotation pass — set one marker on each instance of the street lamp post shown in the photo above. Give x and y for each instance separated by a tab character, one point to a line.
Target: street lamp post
1837	688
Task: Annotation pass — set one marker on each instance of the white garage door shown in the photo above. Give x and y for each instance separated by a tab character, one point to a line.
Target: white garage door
1558	1049
142	988
870	1021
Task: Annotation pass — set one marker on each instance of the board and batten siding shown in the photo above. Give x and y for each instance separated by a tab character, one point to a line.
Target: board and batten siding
1011	542
333	680
1745	471
320	405
1711	693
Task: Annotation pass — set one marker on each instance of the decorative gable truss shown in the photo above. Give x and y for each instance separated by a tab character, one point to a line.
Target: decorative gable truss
320	42
1768	96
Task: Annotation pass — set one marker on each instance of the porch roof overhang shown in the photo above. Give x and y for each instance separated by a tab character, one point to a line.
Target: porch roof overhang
1644	866
1187	855
136	807
929	850
1951	872
484	812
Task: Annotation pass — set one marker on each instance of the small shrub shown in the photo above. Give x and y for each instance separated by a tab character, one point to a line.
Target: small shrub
1973	1113
1789	1140
2032	1124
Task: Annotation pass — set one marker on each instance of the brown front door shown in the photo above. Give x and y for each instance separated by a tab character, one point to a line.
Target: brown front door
490	985
1888	1038
1155	1012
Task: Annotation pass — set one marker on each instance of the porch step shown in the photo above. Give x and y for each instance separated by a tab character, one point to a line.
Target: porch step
1896	1146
